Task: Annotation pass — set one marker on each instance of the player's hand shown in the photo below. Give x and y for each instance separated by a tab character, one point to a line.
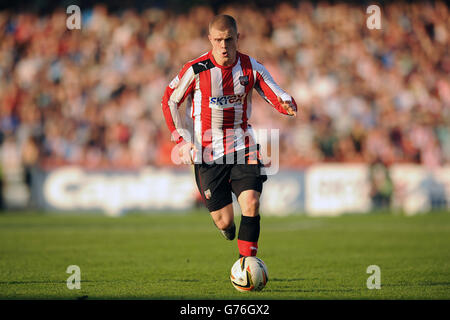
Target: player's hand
288	106
186	152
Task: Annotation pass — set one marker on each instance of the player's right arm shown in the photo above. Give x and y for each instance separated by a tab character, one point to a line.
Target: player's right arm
178	89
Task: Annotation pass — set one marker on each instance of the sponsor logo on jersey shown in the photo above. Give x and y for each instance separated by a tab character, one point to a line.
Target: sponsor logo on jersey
226	101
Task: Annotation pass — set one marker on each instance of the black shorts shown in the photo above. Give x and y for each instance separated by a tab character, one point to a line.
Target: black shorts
216	181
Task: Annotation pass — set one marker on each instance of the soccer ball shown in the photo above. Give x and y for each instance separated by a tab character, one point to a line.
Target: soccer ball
249	274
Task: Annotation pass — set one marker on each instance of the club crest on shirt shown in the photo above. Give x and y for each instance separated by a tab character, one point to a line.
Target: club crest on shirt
243	80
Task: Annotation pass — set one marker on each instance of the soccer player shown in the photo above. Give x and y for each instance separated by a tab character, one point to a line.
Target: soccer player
216	136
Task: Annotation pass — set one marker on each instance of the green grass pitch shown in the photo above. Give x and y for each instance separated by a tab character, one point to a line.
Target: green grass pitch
183	256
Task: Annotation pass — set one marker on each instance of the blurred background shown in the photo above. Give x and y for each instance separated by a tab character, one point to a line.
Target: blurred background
81	127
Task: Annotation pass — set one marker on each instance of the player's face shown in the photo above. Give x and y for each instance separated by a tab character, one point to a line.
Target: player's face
224	45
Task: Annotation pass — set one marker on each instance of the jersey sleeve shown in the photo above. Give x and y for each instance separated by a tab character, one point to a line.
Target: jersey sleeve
178	89
269	89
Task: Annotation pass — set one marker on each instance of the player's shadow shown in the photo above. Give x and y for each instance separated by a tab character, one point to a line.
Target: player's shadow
180	280
293	289
291	279
311	291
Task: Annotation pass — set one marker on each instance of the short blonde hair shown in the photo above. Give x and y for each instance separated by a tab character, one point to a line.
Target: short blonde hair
222	22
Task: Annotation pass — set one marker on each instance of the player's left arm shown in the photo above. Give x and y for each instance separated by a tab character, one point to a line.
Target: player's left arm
271	91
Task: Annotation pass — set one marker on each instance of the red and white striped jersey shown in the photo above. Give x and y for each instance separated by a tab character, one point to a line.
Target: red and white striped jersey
218	104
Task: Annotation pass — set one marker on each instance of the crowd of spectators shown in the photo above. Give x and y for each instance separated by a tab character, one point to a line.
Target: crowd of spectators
92	96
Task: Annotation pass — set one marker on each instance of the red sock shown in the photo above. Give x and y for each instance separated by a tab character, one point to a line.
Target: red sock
248	236
247	248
